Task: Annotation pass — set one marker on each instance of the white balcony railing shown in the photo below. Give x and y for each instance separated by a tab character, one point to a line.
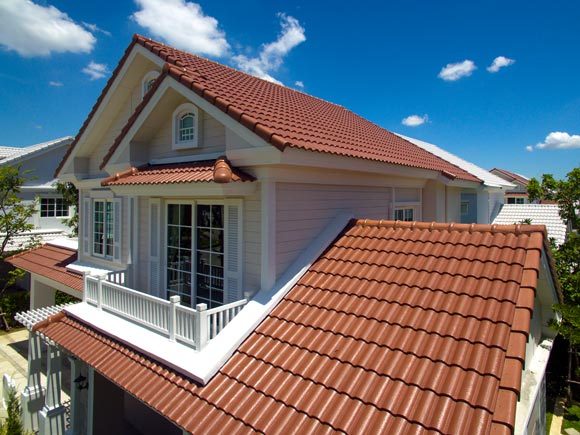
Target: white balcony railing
193	327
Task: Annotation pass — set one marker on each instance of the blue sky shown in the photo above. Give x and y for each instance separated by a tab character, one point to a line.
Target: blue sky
383	60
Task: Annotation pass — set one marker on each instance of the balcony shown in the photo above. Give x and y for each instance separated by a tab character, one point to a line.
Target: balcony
191	327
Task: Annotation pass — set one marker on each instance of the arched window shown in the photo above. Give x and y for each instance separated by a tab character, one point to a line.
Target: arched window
185	126
148	81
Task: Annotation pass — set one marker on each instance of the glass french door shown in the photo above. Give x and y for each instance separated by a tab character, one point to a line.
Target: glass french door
195	253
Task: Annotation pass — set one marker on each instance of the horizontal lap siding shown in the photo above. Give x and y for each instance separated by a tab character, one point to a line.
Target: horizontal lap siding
252	244
303	211
213	139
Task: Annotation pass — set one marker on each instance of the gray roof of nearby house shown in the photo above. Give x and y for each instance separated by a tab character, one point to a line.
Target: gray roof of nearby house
489	179
540	214
11	155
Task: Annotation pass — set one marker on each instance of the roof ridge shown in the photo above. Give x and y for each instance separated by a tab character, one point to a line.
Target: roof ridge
516	229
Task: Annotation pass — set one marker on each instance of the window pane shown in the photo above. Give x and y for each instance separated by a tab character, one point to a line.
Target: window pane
187	120
185	237
203	263
185	215
203	215
203	237
173	214
173	236
217	219
217	240
202	286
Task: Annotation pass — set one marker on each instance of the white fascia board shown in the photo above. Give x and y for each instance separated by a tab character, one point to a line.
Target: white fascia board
188	190
532	385
487	177
65	242
136	50
90	269
203	365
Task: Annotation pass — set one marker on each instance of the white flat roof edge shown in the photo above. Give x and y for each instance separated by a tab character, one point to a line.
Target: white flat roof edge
202	365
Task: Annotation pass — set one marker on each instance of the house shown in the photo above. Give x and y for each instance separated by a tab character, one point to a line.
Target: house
518	195
252	258
538	214
39	162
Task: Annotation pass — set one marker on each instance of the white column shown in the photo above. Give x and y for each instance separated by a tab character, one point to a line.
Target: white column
78	397
51	421
483	207
268	234
32	397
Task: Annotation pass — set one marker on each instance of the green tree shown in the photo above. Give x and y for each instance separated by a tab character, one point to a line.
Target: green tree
566	193
14	213
70	195
13	423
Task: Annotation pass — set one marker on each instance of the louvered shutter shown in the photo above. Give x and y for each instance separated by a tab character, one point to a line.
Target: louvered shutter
86	226
234	245
154	246
117	228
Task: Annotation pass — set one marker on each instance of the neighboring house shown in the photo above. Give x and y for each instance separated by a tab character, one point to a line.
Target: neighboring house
538	214
518	195
39	162
241	271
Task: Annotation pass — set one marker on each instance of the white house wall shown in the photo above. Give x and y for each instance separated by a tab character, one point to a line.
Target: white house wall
303	211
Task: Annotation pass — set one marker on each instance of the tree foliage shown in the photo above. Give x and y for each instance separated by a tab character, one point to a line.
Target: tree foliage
12	425
566	193
14	213
70	195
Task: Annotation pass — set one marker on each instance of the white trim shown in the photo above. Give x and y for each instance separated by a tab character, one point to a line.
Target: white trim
188	190
203	365
186	159
181	111
268	234
64	242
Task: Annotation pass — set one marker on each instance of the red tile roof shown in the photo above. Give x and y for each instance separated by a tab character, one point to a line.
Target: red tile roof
397	327
50	261
512	176
192	172
283	116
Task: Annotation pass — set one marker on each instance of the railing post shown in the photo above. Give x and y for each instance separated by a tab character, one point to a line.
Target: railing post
174	302
201	329
86	283
100	293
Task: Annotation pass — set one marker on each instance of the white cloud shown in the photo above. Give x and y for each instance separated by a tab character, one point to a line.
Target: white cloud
95	29
455	71
299	84
558	140
183	25
529	148
34	30
500	62
95	70
415	120
55	84
272	54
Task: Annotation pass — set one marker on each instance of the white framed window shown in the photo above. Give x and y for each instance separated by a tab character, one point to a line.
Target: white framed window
195	252
53	207
103	229
148	82
186	126
406	214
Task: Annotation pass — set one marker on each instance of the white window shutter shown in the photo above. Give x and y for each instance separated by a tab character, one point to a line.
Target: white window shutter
154	246
234	248
117	228
86	229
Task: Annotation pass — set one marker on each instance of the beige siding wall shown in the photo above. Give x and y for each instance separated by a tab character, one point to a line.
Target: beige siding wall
303	210
213	139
